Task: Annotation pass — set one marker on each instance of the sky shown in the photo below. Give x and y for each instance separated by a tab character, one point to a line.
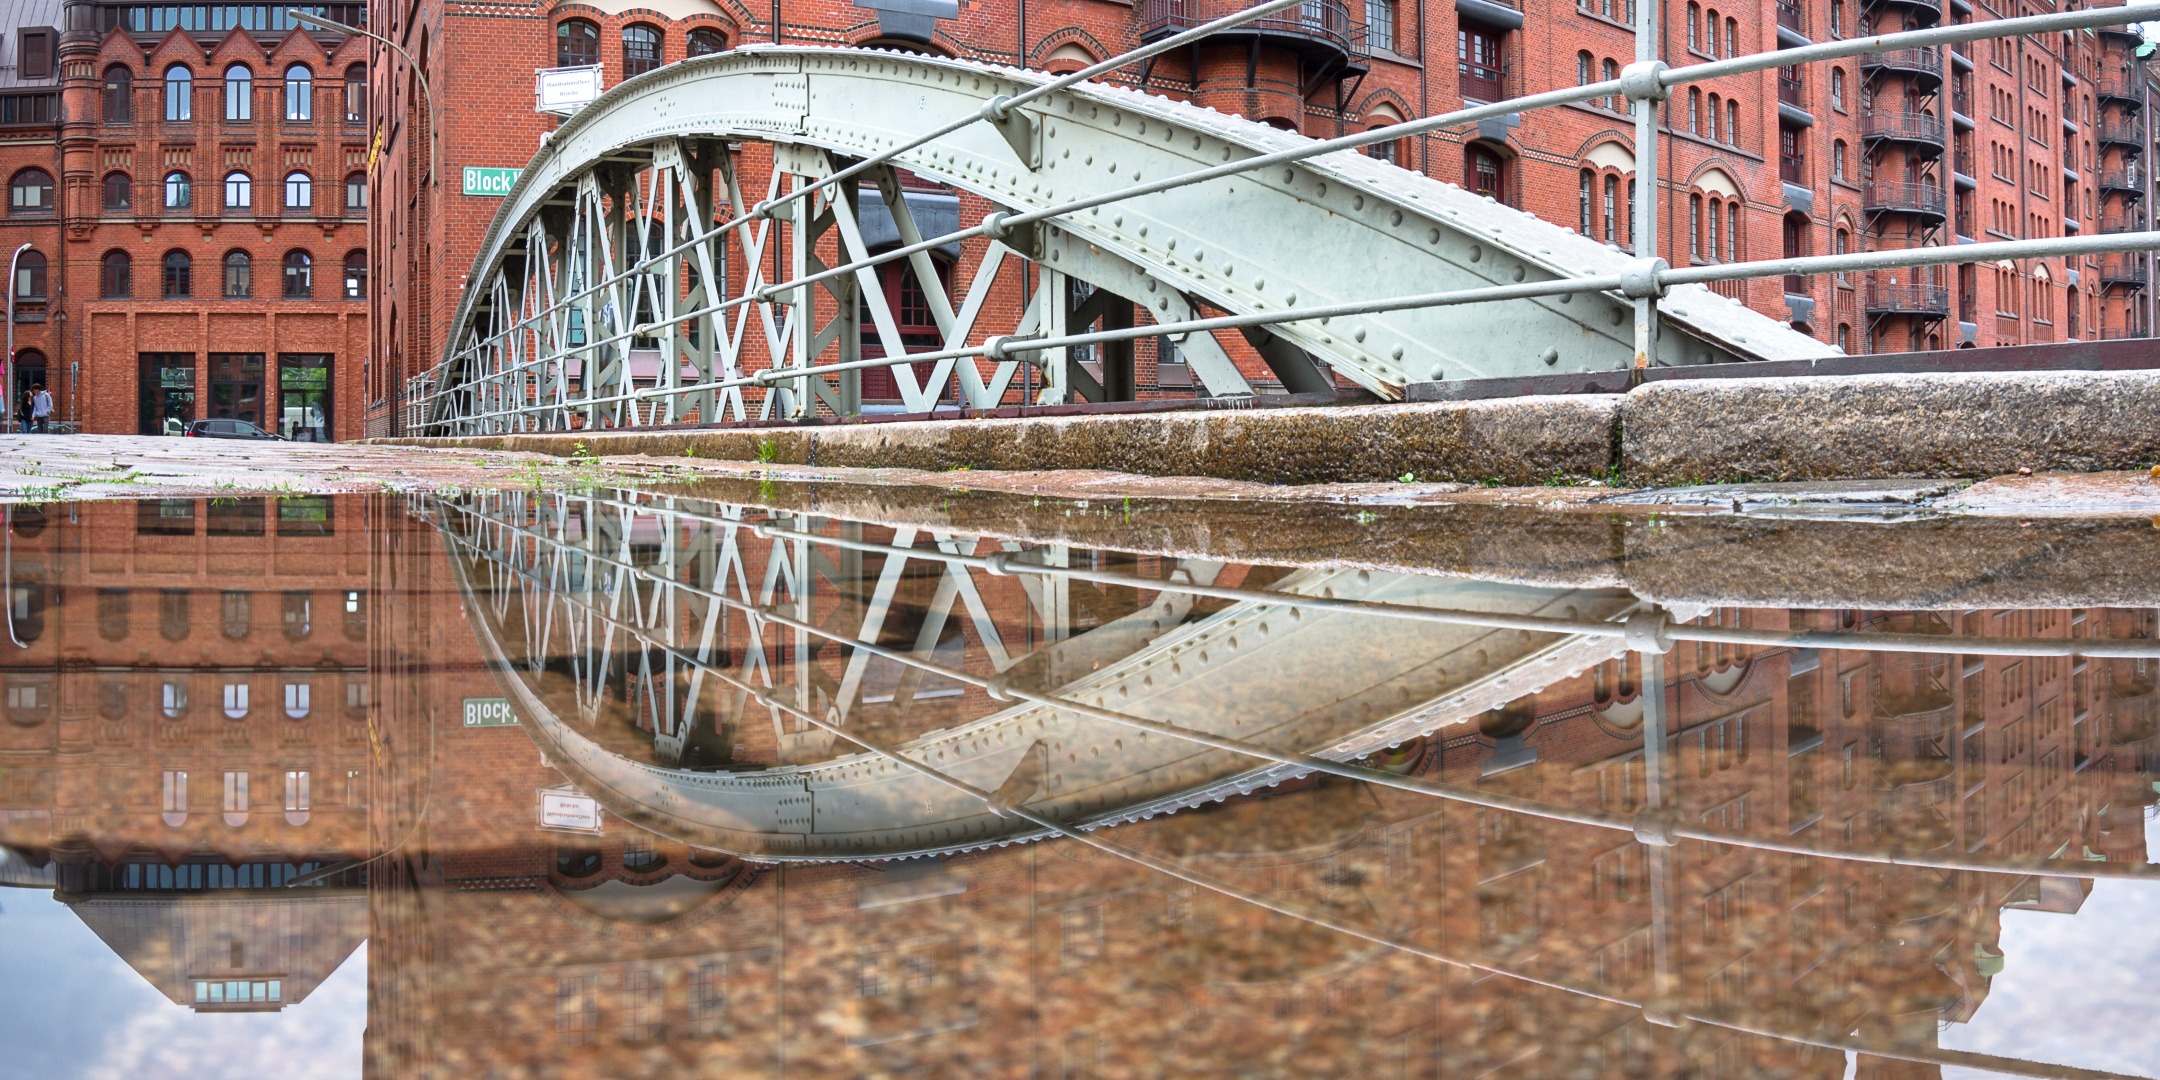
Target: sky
72	1010
2078	989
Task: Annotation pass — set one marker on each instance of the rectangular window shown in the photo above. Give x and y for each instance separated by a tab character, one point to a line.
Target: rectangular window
236	793
577	1010
355	790
175	791
296	790
640	1005
708	997
34	49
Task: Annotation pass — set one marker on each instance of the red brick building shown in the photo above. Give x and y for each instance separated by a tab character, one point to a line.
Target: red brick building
1879	151
190	183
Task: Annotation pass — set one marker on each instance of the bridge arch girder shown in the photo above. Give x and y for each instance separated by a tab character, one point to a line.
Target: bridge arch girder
1338	228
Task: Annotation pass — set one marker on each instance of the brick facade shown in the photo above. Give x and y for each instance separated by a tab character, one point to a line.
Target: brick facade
124	128
1810	161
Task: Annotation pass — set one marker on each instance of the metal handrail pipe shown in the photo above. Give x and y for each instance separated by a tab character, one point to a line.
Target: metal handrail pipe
1667	78
1934	1056
2099	243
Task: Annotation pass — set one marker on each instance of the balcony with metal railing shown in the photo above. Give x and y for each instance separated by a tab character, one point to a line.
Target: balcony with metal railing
1920	129
2120	82
1792	169
1319	30
2125	179
2126	268
1791	91
1924	64
1899	197
1923	12
1891	298
2124	333
2126	131
2121	222
1792	16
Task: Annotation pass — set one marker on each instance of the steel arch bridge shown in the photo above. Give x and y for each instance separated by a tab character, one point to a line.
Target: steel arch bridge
604	294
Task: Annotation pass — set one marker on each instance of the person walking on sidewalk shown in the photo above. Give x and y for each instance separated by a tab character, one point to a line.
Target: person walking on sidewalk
41	408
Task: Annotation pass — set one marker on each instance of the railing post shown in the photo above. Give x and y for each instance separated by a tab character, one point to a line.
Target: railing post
1646	179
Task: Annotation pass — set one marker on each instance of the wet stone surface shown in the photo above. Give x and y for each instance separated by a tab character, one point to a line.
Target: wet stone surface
343	761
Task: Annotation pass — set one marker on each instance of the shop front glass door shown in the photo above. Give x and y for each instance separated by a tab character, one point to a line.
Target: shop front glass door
304	397
166	394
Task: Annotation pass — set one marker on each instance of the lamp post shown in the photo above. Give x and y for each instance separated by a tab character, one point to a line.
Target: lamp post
7	408
320	23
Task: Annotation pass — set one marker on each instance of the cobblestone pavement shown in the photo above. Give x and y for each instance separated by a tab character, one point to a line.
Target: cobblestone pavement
39	468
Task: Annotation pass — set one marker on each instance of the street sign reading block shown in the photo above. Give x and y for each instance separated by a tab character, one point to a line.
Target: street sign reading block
493	183
489	712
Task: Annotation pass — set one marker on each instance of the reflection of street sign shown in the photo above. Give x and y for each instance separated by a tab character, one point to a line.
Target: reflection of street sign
489	712
565	810
494	183
566	89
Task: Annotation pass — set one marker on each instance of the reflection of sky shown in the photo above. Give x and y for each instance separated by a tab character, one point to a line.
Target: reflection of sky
69	1008
2078	989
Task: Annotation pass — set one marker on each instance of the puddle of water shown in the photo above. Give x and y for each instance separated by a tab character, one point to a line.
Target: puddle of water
618	783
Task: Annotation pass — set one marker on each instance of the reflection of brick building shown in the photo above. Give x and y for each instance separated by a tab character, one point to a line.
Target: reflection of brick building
187	731
498	947
192	184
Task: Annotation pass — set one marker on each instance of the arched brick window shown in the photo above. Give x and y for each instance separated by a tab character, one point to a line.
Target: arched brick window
179	270
239	275
640	49
179	94
1485	171
239	93
119	95
705	42
299	276
31	192
299	93
119	191
30	276
356	275
577	43
116	276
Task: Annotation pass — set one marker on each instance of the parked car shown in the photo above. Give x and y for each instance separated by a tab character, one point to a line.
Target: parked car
230	429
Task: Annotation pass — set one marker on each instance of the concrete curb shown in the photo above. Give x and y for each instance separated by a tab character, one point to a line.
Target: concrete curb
1859	427
1875	427
1516	442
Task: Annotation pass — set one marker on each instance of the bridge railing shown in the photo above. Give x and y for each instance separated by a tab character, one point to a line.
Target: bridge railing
454	396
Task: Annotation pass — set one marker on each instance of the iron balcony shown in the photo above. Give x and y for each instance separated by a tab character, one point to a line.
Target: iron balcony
2119	83
1926	63
2122	223
1792	16
2122	130
1915	128
1319	30
2128	179
1889	196
1923	300
2127	268
2120	333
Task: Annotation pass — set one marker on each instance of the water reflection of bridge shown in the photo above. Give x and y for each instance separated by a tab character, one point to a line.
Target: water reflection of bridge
730	641
1769	960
